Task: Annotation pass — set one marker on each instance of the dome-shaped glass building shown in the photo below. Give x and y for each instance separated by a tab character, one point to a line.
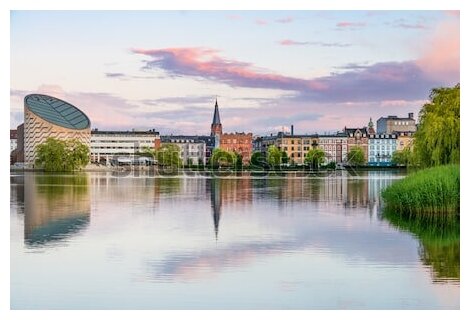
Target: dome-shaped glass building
49	117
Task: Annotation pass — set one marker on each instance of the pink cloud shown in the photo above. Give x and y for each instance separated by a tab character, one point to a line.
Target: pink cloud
349	24
440	53
203	62
285	20
288	42
261	22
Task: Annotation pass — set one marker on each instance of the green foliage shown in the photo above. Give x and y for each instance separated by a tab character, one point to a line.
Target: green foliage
62	155
274	156
238	161
330	165
258	160
315	157
222	158
403	157
168	155
429	194
356	156
284	157
437	140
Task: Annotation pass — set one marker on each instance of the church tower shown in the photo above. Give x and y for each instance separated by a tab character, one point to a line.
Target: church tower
216	126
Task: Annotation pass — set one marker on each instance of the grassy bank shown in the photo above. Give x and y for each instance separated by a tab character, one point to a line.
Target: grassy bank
432	193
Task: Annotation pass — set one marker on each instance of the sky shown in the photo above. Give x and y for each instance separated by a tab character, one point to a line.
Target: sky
317	70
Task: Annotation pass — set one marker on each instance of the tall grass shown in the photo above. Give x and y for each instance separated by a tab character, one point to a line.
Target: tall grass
429	194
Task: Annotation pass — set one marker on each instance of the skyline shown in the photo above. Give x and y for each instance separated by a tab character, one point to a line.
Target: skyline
318	70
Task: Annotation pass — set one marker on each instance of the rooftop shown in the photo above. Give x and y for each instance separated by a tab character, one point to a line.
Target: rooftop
57	111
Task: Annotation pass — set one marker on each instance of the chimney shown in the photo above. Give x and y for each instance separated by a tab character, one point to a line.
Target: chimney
291	129
410	115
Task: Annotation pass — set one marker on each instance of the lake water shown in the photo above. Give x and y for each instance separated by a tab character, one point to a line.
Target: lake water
107	241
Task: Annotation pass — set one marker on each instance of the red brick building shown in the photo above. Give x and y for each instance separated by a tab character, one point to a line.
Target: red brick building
238	142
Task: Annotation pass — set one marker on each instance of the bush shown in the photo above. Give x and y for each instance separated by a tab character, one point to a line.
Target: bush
429	193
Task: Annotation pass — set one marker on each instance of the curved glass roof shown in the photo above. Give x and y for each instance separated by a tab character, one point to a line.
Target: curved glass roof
57	111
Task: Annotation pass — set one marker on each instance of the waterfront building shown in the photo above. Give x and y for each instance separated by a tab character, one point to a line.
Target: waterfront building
192	148
13	139
335	147
49	117
404	140
106	145
297	146
239	142
381	149
392	124
358	137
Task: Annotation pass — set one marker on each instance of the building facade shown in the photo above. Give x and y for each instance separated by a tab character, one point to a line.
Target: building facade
192	149
381	149
392	124
357	137
297	146
106	145
404	140
335	147
49	117
13	139
238	142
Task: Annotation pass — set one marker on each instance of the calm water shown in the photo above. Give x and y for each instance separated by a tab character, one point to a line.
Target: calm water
102	241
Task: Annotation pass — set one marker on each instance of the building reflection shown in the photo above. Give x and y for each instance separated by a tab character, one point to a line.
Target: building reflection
227	192
56	207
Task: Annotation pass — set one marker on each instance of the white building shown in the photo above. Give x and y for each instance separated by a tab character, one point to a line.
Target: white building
335	147
381	149
108	145
192	149
13	140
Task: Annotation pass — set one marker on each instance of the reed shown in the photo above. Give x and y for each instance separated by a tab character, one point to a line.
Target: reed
429	194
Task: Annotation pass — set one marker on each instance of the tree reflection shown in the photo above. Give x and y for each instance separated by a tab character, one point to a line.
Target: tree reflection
439	244
56	207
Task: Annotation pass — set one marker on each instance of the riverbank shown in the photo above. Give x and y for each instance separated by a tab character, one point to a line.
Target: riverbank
426	194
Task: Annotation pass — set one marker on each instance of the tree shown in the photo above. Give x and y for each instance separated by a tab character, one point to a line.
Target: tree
258	160
356	156
168	154
274	156
315	157
222	158
403	157
238	161
284	157
62	155
437	140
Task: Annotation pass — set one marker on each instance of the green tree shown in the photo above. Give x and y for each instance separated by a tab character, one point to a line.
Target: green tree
274	156
284	157
356	156
168	155
222	158
258	160
437	140
403	157
238	161
315	157
62	155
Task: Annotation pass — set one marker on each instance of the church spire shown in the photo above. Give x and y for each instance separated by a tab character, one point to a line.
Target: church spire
216	126
216	118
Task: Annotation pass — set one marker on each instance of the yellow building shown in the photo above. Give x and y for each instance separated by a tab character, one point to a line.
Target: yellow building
404	139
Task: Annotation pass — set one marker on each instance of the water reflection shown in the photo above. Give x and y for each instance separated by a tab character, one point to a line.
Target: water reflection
55	207
439	244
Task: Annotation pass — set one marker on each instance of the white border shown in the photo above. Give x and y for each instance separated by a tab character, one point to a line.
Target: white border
6	6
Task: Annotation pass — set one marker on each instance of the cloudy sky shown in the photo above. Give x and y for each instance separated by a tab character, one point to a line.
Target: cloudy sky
318	70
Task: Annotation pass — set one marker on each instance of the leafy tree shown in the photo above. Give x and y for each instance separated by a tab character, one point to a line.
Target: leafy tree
62	155
222	158
284	157
274	156
258	160
356	156
238	161
315	157
403	157
437	140
168	154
